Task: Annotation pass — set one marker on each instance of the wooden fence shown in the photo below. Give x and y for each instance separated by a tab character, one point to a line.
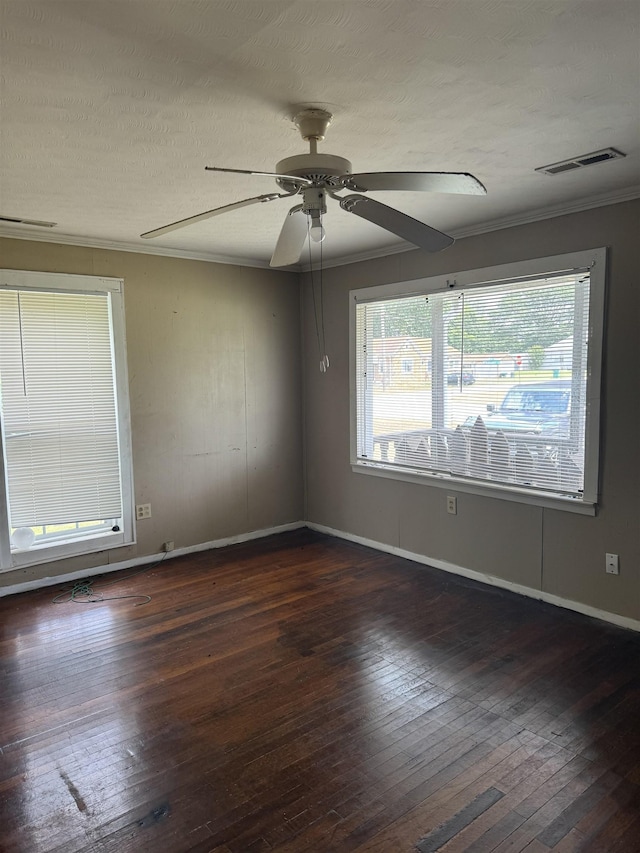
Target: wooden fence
523	459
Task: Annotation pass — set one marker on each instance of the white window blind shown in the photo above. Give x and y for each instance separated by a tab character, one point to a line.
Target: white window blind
59	408
484	383
66	480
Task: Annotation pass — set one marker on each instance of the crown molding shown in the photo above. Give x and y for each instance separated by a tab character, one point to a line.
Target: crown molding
134	248
513	221
603	200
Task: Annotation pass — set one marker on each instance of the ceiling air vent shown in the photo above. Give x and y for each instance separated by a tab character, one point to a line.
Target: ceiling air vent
16	220
579	162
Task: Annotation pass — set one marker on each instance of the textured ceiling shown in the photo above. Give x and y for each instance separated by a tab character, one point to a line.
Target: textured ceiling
112	108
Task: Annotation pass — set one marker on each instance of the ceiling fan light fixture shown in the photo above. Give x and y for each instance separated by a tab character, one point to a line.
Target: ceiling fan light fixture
316	228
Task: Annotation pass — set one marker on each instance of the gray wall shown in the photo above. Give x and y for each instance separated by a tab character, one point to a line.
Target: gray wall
214	369
558	552
214	374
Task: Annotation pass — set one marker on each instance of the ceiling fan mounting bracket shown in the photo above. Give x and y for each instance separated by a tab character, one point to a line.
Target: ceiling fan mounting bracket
312	123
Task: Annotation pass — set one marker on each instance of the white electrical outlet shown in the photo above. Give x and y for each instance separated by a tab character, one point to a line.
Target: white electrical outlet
143	511
612	564
452	505
168	545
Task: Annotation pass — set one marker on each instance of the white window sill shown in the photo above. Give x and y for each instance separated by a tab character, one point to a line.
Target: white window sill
60	550
517	494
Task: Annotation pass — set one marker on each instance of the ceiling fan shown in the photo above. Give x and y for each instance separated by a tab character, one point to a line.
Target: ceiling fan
315	176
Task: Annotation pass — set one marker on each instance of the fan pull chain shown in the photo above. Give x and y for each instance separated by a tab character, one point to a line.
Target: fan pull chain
320	333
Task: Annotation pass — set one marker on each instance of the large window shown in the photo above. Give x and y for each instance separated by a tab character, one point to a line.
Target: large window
63	398
488	381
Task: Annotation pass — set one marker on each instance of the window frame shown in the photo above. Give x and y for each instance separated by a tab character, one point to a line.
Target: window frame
102	540
595	260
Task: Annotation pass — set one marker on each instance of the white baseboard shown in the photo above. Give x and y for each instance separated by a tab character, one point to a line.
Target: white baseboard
149	558
558	601
540	595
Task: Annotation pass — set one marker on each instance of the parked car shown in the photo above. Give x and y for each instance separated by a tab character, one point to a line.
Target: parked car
540	409
467	378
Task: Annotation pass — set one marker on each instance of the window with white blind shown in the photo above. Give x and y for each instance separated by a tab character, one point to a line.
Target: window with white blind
487	381
64	406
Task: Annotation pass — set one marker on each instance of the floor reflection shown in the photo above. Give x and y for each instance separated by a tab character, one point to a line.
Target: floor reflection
67	751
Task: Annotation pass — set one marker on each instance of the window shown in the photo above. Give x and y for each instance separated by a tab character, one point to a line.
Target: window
63	401
508	401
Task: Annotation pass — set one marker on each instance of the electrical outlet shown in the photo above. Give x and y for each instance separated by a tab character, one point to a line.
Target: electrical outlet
612	564
452	505
168	545
143	511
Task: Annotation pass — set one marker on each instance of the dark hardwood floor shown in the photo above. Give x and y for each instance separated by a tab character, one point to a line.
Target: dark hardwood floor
301	693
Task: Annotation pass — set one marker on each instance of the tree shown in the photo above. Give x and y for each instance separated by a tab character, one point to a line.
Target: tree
402	318
538	317
514	322
536	357
476	330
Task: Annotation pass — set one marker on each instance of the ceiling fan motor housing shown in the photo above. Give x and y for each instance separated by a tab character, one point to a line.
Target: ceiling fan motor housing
322	169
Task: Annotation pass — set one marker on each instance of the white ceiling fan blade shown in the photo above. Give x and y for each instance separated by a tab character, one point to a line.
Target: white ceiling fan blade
190	220
301	181
291	240
435	182
410	229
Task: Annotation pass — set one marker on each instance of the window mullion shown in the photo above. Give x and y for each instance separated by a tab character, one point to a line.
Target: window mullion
438	417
